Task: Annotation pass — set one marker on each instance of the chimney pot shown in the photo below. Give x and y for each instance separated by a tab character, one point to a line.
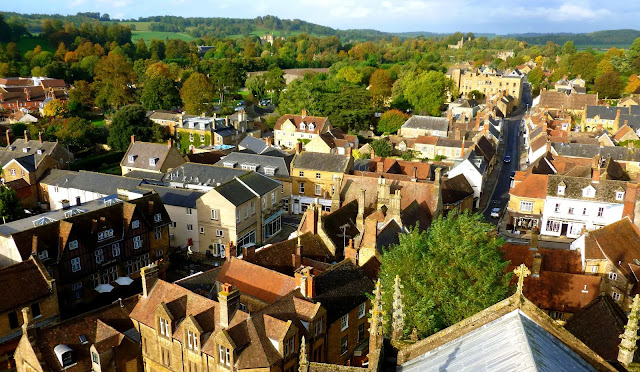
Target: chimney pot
149	275
40	137
133	138
170	143
26	135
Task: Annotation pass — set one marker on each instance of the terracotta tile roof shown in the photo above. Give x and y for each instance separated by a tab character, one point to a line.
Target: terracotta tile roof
561	291
278	256
318	121
22	284
555	260
623	131
619	242
532	186
426	140
256	281
599	325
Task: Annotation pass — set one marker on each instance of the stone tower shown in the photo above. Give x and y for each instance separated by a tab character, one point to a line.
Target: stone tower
630	336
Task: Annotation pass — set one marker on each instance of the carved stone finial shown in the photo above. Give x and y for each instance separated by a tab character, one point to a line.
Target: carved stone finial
628	347
522	272
397	316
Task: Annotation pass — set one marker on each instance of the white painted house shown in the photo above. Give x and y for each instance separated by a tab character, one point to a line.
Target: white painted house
474	169
577	203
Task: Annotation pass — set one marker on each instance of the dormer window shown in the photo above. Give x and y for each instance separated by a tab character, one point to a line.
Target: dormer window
270	171
229	164
252	167
39	152
26	149
157	217
153	162
132	158
102	235
303	126
192	340
588	192
312	126
224	357
619	195
64	355
165	330
561	188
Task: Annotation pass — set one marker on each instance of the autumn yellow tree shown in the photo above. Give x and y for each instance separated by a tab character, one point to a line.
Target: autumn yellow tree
197	94
633	84
380	86
55	108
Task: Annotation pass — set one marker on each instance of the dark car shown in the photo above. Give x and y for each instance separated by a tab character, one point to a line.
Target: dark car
507	159
513	175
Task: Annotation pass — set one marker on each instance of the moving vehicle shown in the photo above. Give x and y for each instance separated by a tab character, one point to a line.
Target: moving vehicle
507	159
495	212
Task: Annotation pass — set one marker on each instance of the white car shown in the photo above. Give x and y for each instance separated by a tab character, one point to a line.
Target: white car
495	212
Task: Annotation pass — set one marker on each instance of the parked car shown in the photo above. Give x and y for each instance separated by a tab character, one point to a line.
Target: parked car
512	175
495	212
507	159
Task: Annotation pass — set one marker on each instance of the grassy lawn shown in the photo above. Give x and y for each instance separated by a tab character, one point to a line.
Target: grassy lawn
26	44
99	123
150	35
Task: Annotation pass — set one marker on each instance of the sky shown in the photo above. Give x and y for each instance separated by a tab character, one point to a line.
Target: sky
478	16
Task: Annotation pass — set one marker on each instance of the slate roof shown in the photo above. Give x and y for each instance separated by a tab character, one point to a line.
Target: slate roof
427	123
599	325
512	342
22	284
163	115
101	183
342	288
282	163
604	112
27	162
485	148
316	161
241	189
176	197
589	151
194	174
256	145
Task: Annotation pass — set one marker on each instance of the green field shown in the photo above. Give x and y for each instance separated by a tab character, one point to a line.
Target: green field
99	123
26	44
150	35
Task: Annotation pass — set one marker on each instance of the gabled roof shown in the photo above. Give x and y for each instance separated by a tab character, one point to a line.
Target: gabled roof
427	123
142	152
456	189
255	145
22	284
605	190
297	120
315	161
532	186
245	187
618	242
256	281
280	163
202	174
599	325
102	183
604	112
176	197
511	342
342	288
513	334
559	100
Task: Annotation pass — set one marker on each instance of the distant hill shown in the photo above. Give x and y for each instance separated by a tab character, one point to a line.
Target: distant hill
599	39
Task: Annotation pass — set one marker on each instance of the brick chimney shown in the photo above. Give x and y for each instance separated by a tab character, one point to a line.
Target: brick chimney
380	166
477	127
595	175
8	137
269	141
414	174
248	253
457	135
26	135
298	147
133	138
360	216
462	150
149	275
170	143
150	206
40	137
231	252
229	300
305	281
304	112
25	319
351	253
349	151
537	265
34	245
27	94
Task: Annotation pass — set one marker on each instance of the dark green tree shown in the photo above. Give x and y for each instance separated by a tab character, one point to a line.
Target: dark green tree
426	92
609	85
129	120
10	206
160	93
381	148
461	271
391	121
569	47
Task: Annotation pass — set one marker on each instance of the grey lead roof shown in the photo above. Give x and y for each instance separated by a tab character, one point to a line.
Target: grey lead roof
604	112
281	163
105	184
201	174
589	151
512	342
256	145
427	122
